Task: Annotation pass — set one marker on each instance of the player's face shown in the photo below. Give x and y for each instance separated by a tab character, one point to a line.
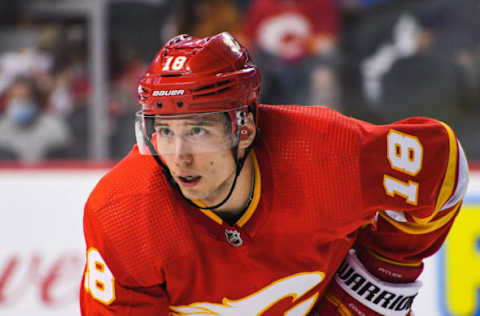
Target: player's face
198	153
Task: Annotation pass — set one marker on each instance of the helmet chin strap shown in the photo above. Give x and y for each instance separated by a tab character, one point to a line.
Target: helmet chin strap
239	162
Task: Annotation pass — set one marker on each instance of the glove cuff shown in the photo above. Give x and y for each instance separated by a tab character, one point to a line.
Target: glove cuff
391	272
385	298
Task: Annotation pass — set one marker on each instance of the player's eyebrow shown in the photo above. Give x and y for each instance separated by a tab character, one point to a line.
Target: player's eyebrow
160	123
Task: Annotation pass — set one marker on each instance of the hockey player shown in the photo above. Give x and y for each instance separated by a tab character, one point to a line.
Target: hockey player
230	207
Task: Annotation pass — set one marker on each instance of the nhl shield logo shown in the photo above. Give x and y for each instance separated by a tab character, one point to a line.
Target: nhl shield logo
233	237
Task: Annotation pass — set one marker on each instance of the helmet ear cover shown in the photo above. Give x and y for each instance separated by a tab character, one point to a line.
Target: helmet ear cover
243	133
241	121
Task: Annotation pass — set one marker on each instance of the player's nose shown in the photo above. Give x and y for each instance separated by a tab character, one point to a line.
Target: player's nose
183	153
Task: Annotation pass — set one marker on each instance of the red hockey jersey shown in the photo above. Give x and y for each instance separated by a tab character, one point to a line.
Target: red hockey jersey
323	182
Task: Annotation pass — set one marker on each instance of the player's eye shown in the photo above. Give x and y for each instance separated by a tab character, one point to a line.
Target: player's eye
164	131
198	131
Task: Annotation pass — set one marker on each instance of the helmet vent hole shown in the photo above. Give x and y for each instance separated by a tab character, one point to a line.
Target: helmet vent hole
179	104
205	88
213	89
159	104
223	90
222	83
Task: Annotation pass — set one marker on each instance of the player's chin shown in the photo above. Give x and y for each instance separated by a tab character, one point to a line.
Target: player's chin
191	193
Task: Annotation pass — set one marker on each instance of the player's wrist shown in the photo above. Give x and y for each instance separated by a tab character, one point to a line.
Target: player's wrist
387	270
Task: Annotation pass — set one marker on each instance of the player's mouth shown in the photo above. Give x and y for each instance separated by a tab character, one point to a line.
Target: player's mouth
189	181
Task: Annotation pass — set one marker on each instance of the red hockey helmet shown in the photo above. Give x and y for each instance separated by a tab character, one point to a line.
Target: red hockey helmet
192	75
193	78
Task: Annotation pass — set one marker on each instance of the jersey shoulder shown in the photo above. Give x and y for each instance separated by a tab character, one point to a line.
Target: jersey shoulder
130	219
311	126
416	165
135	175
315	150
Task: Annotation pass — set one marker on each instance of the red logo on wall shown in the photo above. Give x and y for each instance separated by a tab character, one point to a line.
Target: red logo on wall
54	281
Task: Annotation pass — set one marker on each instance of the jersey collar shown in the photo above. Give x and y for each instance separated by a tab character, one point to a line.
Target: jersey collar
253	204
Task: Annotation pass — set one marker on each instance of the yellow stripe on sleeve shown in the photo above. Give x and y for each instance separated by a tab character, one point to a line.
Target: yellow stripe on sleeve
422	228
449	180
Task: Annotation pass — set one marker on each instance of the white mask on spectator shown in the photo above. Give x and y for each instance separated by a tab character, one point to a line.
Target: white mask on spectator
21	111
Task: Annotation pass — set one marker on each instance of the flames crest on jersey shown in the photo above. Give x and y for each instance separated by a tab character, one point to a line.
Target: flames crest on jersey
295	286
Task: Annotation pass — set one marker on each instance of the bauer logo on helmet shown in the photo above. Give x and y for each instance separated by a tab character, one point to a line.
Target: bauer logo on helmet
167	93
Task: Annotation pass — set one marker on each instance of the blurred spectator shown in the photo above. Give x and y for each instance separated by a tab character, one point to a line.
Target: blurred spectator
77	118
436	90
242	5
140	24
209	17
294	42
69	51
27	132
358	5
404	58
28	61
123	101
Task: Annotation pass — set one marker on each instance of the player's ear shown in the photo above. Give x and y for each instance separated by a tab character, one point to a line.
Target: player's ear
248	133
